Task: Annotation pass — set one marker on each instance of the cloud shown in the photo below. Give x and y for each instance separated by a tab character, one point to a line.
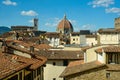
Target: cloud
31	21
74	22
52	22
113	10
29	13
77	29
9	2
88	26
101	3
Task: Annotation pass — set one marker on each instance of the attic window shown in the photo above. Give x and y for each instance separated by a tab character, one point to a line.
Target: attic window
54	63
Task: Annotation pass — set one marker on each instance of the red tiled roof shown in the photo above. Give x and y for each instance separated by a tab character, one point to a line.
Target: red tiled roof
81	68
109	30
61	55
108	49
43	46
85	48
75	33
35	62
113	67
31	40
75	63
10	65
51	34
7	66
7	34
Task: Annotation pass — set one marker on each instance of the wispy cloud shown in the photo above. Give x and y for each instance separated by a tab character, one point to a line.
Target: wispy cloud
52	22
9	2
77	29
74	22
31	21
88	27
101	3
113	10
29	13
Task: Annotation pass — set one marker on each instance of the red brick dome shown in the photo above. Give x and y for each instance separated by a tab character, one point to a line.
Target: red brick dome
65	24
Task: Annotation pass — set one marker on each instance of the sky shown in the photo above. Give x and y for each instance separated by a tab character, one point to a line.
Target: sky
83	14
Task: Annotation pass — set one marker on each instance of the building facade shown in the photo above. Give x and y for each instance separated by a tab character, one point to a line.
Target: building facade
109	36
117	23
26	28
104	64
53	38
75	38
57	62
91	40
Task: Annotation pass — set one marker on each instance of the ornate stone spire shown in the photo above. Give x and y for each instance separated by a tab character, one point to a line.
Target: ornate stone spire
65	16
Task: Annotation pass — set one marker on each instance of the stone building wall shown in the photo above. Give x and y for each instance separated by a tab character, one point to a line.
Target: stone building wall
114	75
95	74
117	23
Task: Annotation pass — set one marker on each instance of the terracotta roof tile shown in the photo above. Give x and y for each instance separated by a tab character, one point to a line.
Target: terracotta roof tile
109	30
35	62
9	66
61	54
85	48
75	63
75	33
51	34
10	63
81	68
43	46
113	67
108	49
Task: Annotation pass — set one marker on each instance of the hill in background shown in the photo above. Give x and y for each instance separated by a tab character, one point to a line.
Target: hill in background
4	29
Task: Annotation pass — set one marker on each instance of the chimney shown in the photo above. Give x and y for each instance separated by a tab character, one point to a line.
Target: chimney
31	49
14	58
4	47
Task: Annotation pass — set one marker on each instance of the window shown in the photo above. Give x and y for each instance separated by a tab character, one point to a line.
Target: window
38	71
73	39
35	73
77	39
50	38
20	76
14	78
54	63
65	62
107	75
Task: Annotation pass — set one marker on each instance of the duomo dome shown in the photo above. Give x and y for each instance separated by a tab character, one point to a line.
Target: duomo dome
65	26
